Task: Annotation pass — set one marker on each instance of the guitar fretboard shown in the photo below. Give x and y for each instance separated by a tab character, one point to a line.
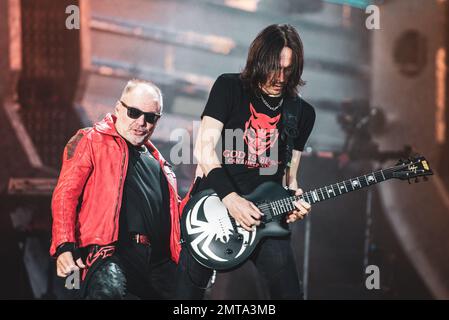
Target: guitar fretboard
285	205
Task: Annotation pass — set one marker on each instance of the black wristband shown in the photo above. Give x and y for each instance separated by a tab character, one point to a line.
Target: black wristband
66	246
219	181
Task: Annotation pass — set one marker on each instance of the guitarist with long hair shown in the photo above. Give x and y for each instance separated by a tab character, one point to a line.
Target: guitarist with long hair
243	142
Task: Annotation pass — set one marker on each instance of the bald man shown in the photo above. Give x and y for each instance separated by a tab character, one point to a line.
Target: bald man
115	207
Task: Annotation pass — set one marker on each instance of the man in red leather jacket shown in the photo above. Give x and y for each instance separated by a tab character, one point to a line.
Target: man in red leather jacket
115	207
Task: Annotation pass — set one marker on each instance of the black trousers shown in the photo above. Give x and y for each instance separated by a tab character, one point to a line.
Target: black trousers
130	273
273	259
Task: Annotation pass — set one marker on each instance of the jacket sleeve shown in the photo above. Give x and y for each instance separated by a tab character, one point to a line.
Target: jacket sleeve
76	167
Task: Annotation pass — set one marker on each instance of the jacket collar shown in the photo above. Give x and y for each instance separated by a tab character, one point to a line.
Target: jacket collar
107	125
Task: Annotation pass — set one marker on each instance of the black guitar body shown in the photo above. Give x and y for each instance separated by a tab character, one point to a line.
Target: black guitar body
215	240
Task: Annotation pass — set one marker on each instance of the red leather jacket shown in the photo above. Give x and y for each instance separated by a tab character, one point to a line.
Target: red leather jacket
87	199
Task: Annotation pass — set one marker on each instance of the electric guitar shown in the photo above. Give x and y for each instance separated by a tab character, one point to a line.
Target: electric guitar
217	242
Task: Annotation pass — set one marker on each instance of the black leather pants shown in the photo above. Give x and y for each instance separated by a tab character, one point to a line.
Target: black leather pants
130	273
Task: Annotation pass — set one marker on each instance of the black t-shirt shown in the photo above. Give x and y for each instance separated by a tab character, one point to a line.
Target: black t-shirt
255	152
145	203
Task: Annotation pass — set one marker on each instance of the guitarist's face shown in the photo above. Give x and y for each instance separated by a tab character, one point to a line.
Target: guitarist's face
276	81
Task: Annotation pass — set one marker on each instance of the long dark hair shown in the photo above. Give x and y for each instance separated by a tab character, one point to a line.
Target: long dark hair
264	54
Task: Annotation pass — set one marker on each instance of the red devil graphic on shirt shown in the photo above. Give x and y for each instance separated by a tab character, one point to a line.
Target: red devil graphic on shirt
260	131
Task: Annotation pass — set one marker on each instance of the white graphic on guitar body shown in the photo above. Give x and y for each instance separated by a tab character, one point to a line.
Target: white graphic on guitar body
209	219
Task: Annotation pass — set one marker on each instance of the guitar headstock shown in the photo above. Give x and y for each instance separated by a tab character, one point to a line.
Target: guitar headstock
411	168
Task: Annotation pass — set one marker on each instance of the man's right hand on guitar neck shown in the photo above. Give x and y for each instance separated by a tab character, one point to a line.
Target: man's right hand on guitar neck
245	213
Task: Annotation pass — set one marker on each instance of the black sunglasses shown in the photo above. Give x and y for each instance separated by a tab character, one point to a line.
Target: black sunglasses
135	113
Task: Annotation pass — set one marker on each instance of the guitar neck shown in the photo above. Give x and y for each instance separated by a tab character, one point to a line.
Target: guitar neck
285	205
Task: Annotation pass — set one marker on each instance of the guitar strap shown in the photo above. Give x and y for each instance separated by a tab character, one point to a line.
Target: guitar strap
290	120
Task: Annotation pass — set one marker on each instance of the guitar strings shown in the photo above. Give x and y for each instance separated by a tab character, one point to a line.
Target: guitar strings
266	206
